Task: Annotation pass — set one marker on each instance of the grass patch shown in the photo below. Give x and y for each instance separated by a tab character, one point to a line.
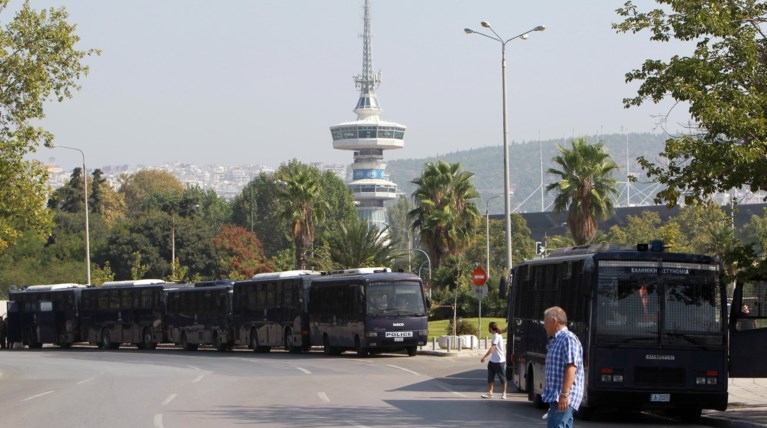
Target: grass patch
439	328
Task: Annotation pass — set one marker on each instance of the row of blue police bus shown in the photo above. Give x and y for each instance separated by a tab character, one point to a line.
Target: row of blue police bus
366	310
654	325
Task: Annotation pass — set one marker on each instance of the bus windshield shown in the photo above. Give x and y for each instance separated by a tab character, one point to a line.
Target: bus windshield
673	305
395	298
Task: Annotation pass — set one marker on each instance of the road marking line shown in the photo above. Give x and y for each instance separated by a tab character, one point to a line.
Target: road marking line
198	378
404	369
324	397
304	370
193	367
357	425
38	395
158	421
444	388
169	399
85	381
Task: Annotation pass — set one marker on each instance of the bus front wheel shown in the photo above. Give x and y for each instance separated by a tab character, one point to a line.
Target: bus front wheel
147	339
412	351
531	395
289	341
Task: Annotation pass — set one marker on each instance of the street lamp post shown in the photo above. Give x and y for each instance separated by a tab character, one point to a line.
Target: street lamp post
87	233
506	180
487	232
429	262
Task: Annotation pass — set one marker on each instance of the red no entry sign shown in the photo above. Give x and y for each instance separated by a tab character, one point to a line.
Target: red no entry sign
479	276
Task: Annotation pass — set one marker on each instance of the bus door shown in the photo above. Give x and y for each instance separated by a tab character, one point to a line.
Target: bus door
46	322
748	329
13	322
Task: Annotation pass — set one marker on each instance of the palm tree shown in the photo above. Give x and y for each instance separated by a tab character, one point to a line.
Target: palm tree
303	208
585	188
444	217
359	244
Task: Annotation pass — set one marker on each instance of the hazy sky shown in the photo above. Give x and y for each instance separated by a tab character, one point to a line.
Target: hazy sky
261	81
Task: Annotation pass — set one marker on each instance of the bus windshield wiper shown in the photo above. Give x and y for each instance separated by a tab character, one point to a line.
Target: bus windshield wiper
682	335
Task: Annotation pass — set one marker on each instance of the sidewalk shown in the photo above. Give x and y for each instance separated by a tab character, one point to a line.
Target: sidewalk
747	406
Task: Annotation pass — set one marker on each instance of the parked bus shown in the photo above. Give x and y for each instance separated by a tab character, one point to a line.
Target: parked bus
200	315
40	314
270	310
652	325
367	310
123	312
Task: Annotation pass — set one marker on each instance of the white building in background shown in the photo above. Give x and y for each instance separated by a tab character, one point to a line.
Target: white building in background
368	137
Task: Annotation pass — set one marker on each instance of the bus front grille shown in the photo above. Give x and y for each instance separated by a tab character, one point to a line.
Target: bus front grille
659	376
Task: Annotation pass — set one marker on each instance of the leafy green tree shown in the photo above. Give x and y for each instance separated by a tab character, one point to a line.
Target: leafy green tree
358	244
444	217
149	189
723	80
257	210
38	63
700	226
399	224
585	187
639	229
755	233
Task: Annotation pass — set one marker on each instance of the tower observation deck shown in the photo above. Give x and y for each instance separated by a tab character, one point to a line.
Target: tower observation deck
368	137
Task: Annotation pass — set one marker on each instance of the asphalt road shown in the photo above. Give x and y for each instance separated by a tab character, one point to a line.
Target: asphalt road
170	388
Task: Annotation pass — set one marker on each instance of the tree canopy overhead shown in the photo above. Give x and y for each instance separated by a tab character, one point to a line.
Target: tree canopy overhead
724	81
38	63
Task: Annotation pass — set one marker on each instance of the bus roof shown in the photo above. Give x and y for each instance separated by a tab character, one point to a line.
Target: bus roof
358	271
284	274
132	282
48	287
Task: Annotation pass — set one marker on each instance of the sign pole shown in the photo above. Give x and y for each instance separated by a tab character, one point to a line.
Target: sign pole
479	278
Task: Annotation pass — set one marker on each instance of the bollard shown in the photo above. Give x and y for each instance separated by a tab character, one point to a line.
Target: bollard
485	342
460	343
433	343
449	339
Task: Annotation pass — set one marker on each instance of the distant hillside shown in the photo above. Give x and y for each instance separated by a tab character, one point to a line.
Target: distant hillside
525	165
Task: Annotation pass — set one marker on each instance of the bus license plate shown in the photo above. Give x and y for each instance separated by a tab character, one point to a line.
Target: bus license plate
660	398
399	334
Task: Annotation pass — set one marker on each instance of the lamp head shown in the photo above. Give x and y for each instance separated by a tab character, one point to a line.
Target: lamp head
525	37
539	28
468	30
485	24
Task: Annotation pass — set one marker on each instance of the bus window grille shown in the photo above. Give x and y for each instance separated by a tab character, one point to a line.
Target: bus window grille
659	376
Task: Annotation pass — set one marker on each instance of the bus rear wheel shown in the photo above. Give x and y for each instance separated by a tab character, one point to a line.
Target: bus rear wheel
326	348
105	342
147	339
289	343
255	344
219	342
361	352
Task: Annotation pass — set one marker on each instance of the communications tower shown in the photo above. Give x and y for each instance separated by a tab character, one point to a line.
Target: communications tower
368	137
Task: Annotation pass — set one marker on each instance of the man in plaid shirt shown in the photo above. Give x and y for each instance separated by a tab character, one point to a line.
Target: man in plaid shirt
564	370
